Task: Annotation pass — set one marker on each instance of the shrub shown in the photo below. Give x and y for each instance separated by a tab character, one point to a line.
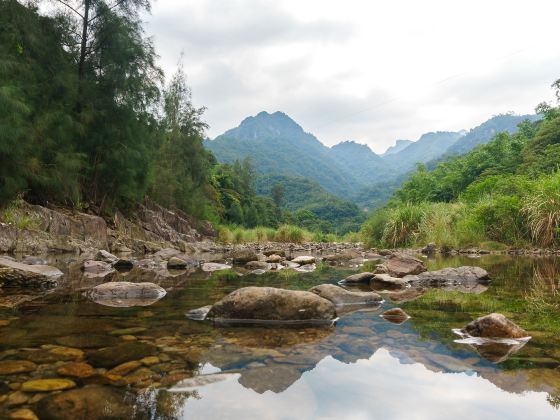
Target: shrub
403	224
542	209
438	224
290	233
373	228
224	235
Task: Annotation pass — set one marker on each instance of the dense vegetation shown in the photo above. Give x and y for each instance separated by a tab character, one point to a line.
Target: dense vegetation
506	191
86	120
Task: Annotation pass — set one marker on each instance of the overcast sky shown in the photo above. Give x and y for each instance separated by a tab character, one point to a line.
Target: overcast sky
370	71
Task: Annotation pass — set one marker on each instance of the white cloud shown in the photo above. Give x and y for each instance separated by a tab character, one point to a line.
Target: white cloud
367	70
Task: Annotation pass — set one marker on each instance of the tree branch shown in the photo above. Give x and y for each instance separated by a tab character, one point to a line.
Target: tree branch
70	7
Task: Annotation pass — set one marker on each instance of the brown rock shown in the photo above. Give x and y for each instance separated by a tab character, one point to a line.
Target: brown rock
17	274
11	367
76	370
359	278
23	414
395	315
340	296
494	326
125	368
271	304
402	265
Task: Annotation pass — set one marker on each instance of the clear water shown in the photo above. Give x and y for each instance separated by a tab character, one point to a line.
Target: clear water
362	368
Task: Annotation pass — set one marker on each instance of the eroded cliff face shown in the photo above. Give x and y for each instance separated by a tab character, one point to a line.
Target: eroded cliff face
149	229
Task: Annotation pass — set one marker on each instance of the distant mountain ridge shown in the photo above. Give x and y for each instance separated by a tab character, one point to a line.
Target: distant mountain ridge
277	145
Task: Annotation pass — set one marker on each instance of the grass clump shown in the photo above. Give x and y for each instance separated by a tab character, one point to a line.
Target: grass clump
542	208
290	233
17	215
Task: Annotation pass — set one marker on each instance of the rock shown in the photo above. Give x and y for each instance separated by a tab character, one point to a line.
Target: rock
97	267
270	252
16	398
12	367
67	353
271	304
123	264
113	356
344	256
395	315
210	267
274	258
128	331
47	385
398	265
494	326
449	276
340	296
76	370
91	402
307	268
106	256
150	360
386	281
125	368
32	260
359	278
14	274
243	256
23	414
176	263
199	314
290	264
304	260
429	249
256	265
167	253
87	341
126	294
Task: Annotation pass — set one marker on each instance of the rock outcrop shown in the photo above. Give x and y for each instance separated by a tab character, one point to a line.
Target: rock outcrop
15	274
271	304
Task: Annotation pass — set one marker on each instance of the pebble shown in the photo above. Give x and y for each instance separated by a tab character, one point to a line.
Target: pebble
47	385
23	414
77	370
16	398
11	367
125	368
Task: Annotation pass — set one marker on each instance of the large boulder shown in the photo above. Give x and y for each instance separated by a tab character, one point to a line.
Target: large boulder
359	278
398	265
449	276
494	326
340	296
271	304
15	274
243	256
125	294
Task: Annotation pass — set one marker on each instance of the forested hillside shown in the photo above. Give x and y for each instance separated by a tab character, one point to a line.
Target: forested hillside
88	121
505	191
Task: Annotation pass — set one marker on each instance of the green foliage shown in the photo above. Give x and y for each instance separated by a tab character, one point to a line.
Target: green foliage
542	208
289	233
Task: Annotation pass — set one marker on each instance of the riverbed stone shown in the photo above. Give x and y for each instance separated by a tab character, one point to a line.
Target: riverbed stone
359	278
87	341
176	263
16	398
76	370
271	304
449	276
47	385
243	256
125	368
274	258
22	414
128	331
199	314
211	267
90	402
304	260
399	265
381	281
66	353
97	267
15	274
126	294
257	265
106	256
494	326
340	296
112	356
12	367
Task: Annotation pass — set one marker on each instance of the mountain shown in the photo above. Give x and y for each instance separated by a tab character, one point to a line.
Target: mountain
428	147
364	163
483	133
276	144
397	147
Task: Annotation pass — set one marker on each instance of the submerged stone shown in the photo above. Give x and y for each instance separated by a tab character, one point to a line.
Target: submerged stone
395	315
15	274
126	294
91	402
47	385
12	367
113	356
76	370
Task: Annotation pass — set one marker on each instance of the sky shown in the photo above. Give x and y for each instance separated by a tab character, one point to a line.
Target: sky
369	71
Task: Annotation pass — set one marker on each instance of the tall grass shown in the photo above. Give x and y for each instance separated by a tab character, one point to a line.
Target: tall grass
290	233
285	233
402	225
16	214
542	208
